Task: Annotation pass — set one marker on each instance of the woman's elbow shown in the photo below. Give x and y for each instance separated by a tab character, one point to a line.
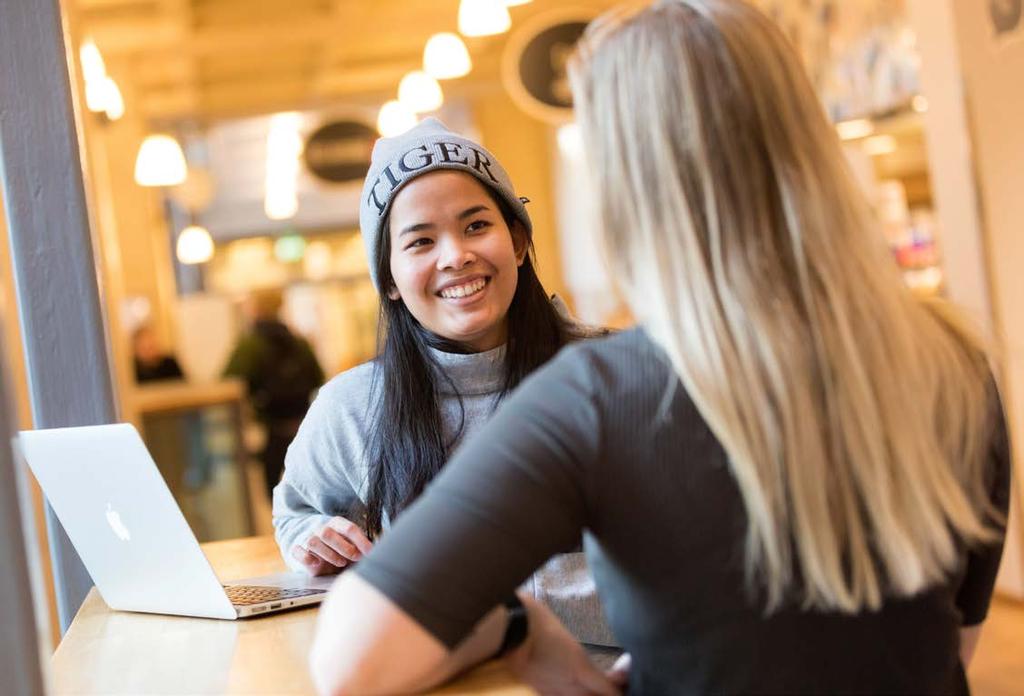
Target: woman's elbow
335	673
348	654
366	645
331	675
327	678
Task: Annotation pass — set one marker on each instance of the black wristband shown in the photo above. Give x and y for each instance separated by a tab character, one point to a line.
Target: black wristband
516	629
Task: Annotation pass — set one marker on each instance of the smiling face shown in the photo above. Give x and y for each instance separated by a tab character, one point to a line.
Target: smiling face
454	261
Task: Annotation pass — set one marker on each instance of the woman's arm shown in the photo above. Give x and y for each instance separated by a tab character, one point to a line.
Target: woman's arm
294	519
317	490
517	492
360	632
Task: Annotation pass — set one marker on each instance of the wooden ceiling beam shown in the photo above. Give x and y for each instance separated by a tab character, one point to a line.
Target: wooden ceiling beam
194	58
158	37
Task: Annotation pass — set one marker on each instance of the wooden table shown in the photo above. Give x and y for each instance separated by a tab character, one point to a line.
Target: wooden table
112	652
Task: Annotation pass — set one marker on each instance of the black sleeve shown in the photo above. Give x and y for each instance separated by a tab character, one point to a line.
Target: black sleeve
975	591
513	495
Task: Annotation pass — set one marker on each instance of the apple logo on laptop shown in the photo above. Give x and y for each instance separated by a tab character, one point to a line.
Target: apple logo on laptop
114	520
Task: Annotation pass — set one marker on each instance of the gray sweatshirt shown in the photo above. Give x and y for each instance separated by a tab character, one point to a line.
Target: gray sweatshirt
326	474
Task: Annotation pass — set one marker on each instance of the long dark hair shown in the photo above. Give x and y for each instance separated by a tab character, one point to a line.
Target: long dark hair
407	448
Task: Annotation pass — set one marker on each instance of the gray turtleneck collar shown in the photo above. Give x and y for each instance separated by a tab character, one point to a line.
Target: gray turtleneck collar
472	374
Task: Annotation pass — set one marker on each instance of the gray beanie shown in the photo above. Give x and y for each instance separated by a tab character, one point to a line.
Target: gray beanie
427	147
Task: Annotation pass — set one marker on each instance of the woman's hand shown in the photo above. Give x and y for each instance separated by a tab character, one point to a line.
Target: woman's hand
552	662
334	546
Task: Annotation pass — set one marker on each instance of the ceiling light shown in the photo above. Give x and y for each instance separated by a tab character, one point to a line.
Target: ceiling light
283	138
419	92
919	103
280	206
857	128
394	119
101	92
160	162
445	57
281	180
96	95
93	68
113	103
483	17
194	245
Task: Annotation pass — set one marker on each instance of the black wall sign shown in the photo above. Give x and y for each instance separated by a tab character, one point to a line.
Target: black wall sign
1005	14
534	66
340	151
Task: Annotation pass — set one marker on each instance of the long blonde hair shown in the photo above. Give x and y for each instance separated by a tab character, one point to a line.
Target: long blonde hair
855	417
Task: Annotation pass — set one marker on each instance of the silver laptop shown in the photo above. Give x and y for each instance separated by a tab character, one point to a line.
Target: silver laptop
118	512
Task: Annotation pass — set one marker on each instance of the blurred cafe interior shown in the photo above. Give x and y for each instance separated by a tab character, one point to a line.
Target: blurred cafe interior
223	144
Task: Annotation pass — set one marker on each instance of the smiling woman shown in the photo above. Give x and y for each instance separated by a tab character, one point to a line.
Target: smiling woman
454	260
464	319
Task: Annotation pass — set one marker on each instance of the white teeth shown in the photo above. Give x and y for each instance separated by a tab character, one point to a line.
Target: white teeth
464	290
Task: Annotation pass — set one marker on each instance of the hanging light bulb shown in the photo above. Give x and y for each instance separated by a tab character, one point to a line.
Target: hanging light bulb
419	92
113	103
160	162
445	57
194	245
93	67
96	94
394	119
101	92
483	17
94	73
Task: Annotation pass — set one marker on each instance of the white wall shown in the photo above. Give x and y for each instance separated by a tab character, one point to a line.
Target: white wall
993	69
974	82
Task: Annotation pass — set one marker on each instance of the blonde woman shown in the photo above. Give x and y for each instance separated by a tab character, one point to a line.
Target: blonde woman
792	478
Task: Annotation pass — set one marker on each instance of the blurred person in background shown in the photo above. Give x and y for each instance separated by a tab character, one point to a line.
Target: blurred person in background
152	363
464	319
281	374
793	475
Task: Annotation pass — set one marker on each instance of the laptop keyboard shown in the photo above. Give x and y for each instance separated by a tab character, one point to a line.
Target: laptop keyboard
245	595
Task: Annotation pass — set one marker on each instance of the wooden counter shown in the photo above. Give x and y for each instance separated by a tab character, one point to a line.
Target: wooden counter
176	395
111	652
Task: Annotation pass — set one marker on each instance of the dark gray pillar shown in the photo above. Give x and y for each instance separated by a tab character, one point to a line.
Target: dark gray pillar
20	658
51	249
